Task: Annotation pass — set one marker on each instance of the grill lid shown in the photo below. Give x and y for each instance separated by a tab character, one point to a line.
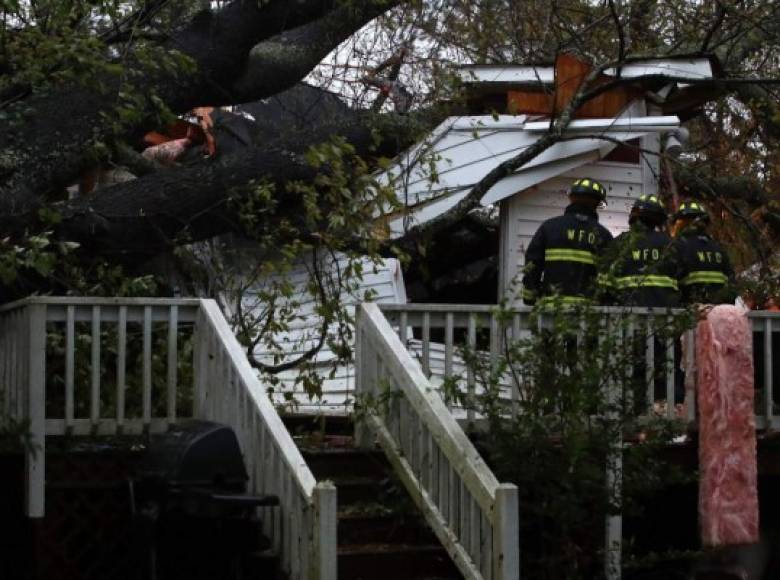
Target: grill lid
196	453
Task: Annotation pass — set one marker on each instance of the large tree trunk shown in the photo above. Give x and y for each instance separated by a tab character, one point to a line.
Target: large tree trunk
56	136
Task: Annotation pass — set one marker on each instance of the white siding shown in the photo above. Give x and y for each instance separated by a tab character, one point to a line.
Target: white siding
384	281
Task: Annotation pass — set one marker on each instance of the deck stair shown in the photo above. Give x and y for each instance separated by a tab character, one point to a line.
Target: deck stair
76	369
80	369
381	534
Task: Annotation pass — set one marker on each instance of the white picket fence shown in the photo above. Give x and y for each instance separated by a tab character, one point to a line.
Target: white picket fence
81	339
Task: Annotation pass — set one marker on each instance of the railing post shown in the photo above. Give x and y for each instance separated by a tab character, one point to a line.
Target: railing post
689	362
200	353
324	534
35	459
506	533
614	475
363	436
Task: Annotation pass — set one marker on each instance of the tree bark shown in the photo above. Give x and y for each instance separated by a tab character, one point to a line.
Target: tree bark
166	207
56	136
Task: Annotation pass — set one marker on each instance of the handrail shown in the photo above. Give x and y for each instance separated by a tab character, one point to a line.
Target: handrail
459	324
212	316
485	332
472	514
98	301
416	323
302	530
229	391
489	308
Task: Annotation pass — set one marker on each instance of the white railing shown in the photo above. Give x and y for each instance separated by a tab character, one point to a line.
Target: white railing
437	335
99	366
473	515
228	391
766	343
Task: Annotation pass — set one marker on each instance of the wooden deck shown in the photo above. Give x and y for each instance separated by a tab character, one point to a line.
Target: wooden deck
77	366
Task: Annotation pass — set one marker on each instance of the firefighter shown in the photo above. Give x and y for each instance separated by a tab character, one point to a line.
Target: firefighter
561	258
643	271
704	273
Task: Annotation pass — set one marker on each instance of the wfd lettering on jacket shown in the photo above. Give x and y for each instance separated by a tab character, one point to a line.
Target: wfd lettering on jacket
710	257
581	235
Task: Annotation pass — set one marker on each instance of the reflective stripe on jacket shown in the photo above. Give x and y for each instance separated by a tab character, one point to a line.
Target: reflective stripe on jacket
705	273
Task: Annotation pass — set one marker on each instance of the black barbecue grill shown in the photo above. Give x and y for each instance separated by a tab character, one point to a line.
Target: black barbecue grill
191	506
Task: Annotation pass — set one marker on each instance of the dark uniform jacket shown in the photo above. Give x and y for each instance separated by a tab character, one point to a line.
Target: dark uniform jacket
705	273
561	258
643	271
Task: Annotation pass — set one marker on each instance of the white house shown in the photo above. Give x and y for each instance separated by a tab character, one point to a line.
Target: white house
615	138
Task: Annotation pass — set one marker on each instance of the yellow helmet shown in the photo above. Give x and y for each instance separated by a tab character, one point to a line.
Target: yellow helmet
589	187
692	209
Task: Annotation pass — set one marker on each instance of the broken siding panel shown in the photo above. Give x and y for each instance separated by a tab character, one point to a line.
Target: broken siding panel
465	164
436	174
525	179
385	281
400	225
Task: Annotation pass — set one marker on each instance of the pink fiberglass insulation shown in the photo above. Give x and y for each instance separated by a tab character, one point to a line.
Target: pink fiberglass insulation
728	495
167	153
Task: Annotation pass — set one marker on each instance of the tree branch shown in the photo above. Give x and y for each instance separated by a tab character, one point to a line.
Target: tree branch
71	126
279	62
557	128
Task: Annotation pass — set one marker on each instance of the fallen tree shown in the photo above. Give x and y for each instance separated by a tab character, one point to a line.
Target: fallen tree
242	52
105	77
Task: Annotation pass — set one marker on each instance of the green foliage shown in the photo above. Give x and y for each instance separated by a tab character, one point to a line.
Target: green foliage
100	46
100	278
15	435
582	385
40	262
108	337
334	236
34	256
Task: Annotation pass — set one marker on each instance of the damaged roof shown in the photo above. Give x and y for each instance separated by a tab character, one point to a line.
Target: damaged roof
680	68
433	176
